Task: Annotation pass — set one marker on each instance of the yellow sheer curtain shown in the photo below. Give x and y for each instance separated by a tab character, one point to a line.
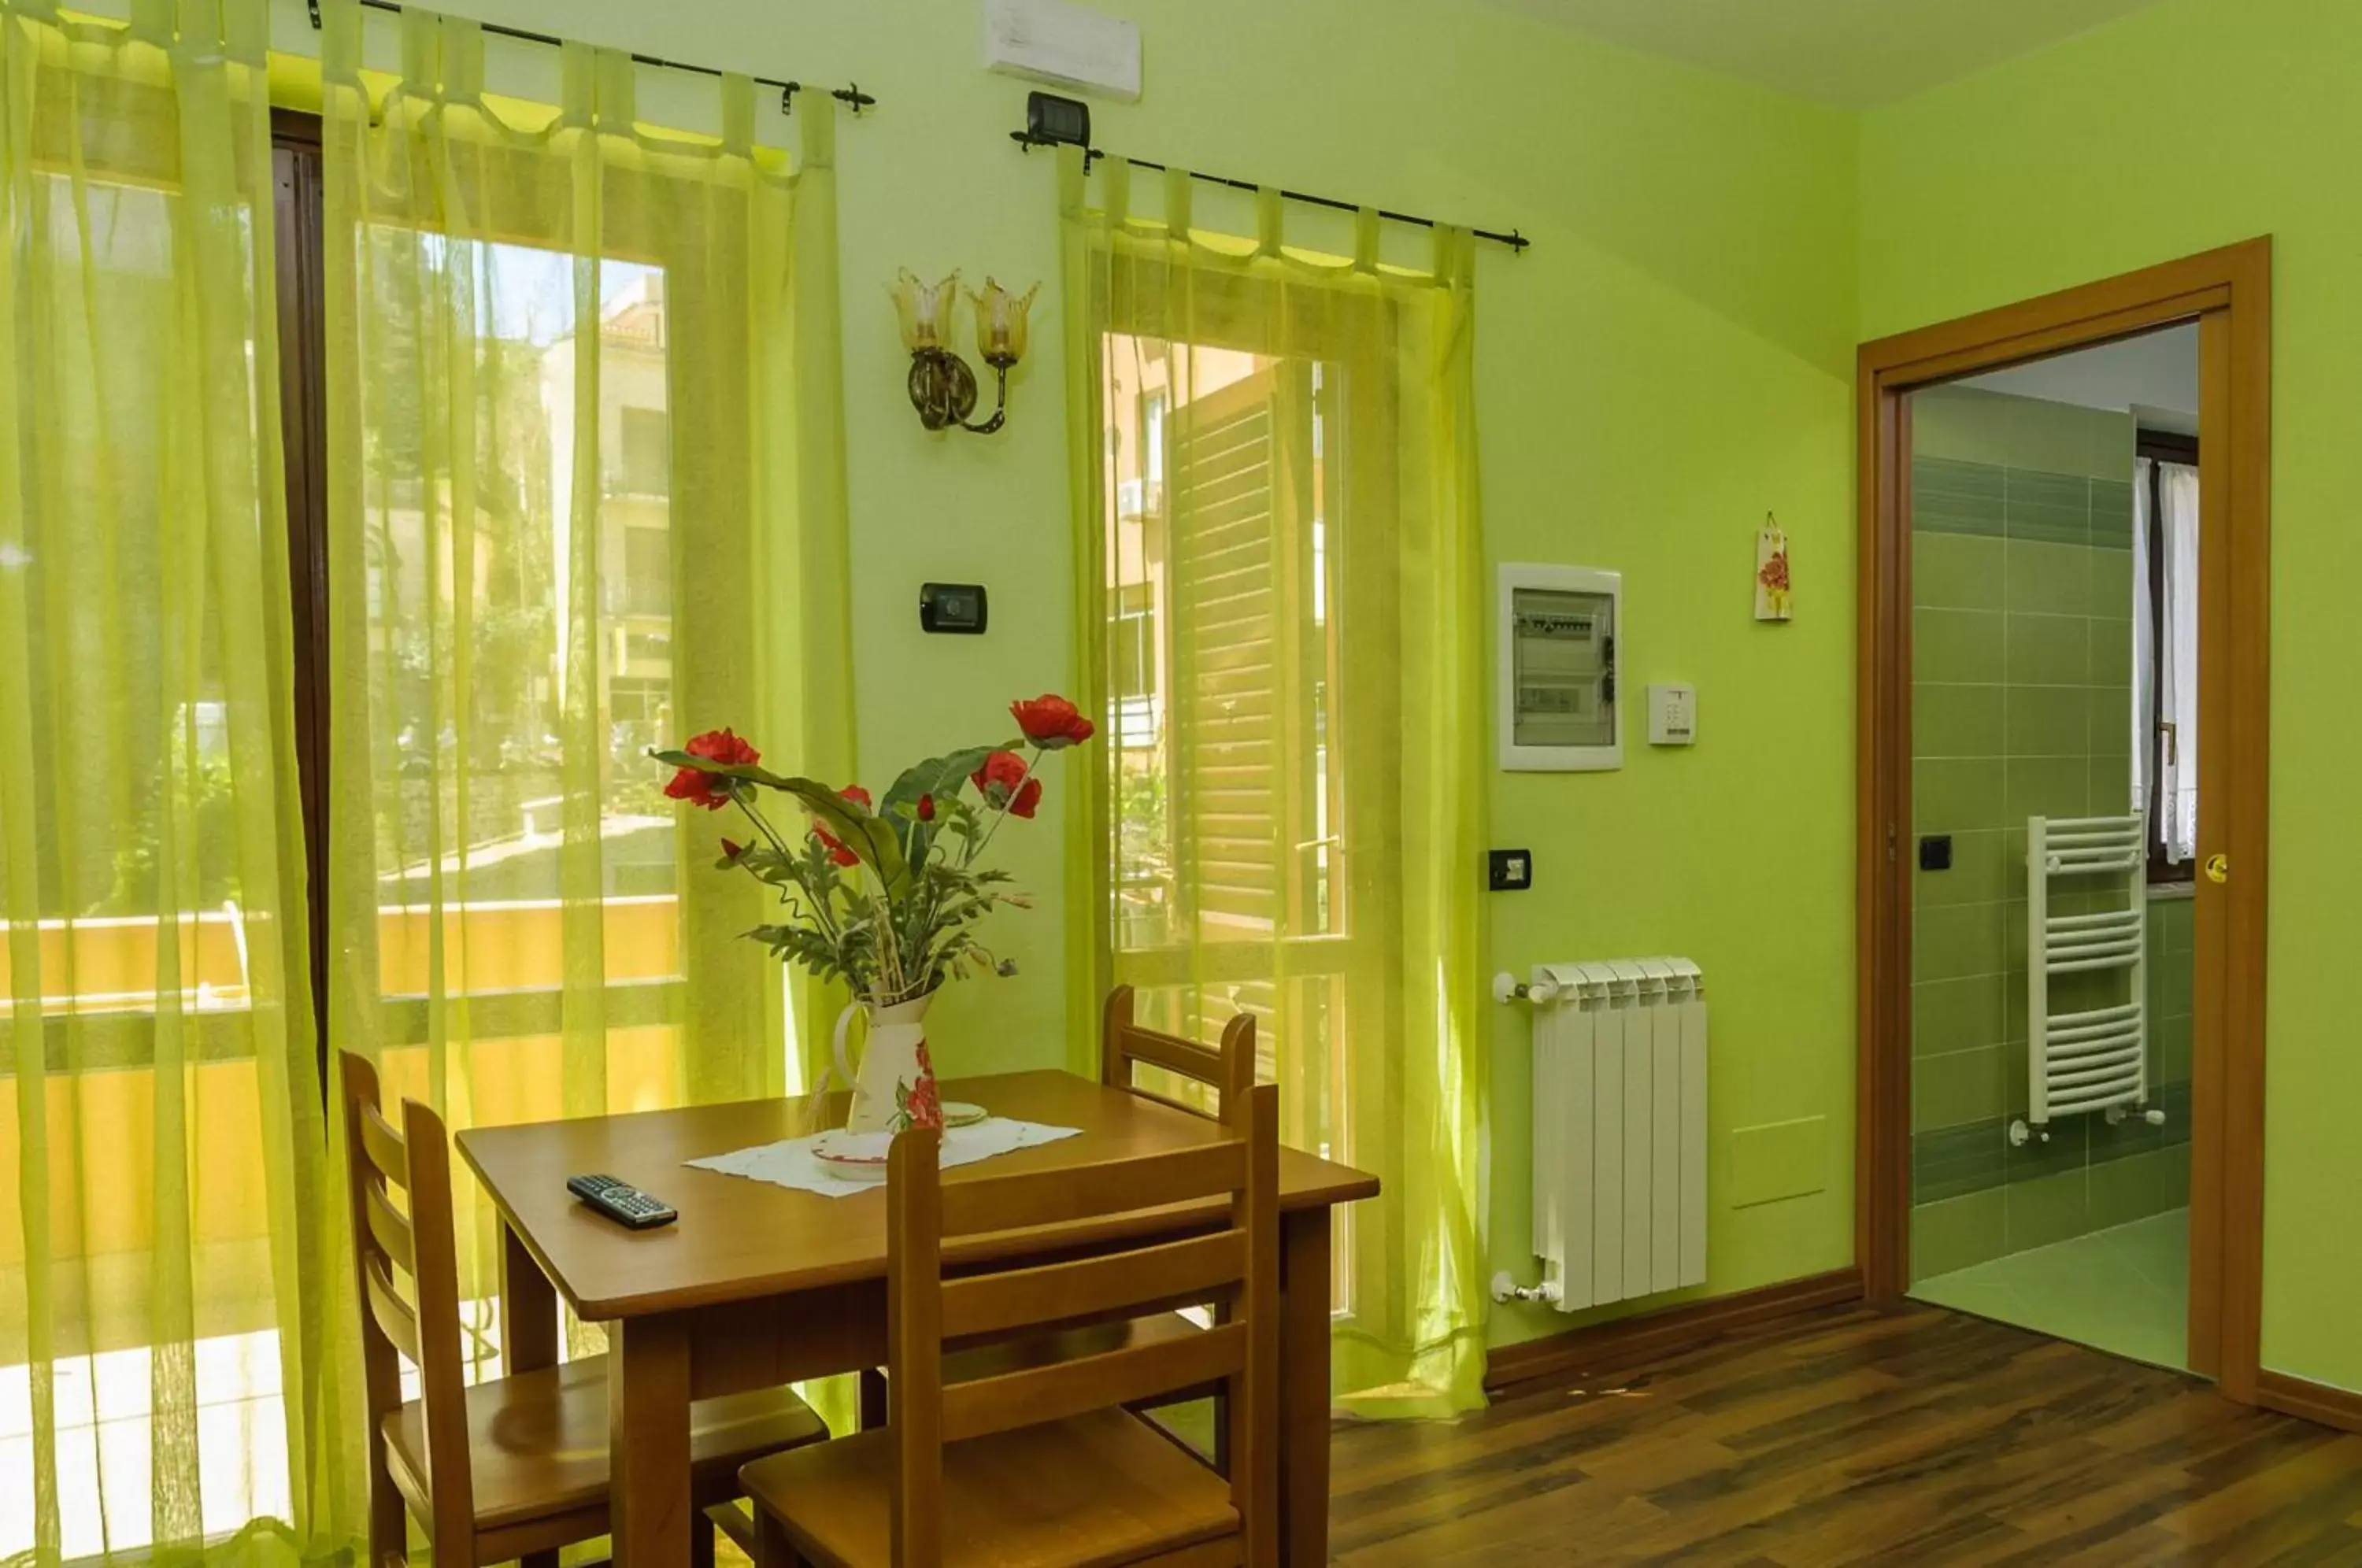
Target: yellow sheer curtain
584	499
167	1359
1281	614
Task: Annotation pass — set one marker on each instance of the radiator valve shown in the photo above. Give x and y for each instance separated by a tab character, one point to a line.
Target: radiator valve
1507	987
1507	1289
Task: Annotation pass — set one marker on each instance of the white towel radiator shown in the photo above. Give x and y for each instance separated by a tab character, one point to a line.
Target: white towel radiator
1619	1139
2095	1058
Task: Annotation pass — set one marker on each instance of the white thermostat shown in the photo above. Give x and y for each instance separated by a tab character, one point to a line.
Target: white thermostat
1559	627
1673	714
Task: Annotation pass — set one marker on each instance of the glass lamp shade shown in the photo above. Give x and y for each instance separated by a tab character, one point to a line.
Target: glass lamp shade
925	310
1000	322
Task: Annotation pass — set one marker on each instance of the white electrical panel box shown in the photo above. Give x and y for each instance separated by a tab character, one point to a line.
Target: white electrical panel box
1673	714
1559	627
1065	44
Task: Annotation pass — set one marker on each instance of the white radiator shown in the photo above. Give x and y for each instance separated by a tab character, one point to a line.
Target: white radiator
2095	1058
1619	1129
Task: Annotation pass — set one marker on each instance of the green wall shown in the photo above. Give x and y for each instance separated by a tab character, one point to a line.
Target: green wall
2022	594
2196	124
1671	360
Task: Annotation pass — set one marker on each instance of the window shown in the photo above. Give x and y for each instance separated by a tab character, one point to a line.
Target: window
1292	588
1230	809
2165	696
645	457
647	571
1133	679
504	889
1152	440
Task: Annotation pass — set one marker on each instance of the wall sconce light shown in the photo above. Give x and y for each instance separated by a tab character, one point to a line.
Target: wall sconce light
942	389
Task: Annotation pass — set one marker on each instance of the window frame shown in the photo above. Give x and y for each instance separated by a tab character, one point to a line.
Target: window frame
2159	446
300	231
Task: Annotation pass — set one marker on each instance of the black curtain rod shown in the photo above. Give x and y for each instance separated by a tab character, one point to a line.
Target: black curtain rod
850	95
1512	239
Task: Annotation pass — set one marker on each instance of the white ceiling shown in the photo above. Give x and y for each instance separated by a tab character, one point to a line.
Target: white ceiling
1853	53
2155	376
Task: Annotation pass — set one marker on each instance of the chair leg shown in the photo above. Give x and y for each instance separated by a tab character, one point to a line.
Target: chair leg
538	1560
1222	1434
873	1399
390	1521
772	1547
701	1540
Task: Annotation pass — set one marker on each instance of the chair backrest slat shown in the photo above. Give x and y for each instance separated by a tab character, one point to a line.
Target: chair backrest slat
1123	1044
1176	1274
1063	1196
1065	1388
390	1230
392	1315
384	1147
416	1162
1103	1274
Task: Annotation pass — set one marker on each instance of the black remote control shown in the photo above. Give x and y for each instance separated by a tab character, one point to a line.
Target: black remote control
622	1202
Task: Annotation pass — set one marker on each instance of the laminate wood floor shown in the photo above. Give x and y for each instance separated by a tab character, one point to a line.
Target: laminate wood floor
1917	1437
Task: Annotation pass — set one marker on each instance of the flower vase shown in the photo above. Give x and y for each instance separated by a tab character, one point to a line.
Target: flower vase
895	1086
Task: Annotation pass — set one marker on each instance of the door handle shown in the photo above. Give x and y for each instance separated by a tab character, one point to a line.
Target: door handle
2218	867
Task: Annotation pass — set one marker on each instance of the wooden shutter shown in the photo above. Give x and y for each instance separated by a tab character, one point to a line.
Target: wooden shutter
1229	610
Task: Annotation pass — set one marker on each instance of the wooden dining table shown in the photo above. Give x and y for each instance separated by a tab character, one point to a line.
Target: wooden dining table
756	1285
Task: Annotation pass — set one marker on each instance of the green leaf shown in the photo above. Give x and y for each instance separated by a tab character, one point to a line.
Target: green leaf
870	837
940	776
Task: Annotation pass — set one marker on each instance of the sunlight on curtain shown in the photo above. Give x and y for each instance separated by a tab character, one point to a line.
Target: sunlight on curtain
163	1254
574	365
1282	617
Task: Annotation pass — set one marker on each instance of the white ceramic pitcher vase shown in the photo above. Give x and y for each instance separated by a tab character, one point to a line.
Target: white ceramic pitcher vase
895	1086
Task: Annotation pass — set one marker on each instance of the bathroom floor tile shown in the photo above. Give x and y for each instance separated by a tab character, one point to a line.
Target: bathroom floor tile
2123	1290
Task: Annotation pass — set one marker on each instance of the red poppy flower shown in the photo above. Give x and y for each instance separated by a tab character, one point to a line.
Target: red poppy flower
858	796
710	791
1027	800
926	808
1000	777
836	846
1051	723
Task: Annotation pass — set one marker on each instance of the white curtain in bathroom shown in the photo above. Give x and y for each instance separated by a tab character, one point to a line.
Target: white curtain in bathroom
2165	654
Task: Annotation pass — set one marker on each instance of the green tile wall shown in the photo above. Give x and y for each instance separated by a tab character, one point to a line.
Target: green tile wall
2022	706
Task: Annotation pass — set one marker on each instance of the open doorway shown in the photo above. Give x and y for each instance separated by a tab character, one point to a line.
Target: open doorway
2054	516
2063	686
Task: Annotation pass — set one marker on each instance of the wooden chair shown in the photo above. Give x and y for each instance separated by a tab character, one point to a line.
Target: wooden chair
1045	1466
1124	1046
516	1465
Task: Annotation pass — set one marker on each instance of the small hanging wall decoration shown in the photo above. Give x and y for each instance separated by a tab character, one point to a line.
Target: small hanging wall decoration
1775	599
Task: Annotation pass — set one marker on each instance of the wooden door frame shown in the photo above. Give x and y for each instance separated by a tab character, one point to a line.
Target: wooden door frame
2228	293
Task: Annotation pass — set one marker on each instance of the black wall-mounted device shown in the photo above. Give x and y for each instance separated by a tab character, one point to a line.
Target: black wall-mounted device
1935	852
1512	870
1053	121
957	607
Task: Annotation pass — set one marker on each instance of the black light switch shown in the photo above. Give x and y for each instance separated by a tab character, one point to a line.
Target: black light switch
1512	870
952	607
1935	852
